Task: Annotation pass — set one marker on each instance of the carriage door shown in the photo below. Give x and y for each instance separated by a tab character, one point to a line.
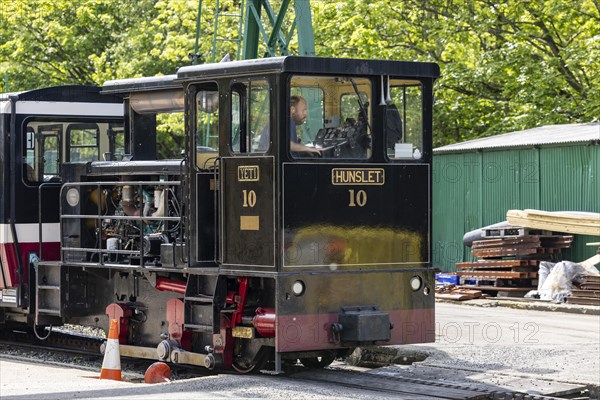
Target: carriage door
247	179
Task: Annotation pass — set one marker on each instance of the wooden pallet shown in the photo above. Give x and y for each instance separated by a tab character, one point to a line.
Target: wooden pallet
499	282
516	251
515	265
452	292
490	288
588	292
590	279
563	242
585	301
497	274
590	286
585	293
530	241
509	261
512	231
500	269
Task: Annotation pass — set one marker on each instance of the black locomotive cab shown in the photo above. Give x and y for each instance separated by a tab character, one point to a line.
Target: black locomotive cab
324	172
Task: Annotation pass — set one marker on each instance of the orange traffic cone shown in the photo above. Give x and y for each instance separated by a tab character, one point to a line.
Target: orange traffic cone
157	373
111	366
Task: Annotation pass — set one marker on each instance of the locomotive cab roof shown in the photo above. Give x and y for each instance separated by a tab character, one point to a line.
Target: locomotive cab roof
316	65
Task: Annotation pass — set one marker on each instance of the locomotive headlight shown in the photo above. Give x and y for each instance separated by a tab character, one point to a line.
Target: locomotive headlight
416	283
73	197
298	288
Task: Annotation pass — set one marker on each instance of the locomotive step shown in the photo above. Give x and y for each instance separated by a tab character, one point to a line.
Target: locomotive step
200	299
49	311
199	327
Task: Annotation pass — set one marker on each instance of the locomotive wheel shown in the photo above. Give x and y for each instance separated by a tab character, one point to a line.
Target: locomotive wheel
319	362
244	368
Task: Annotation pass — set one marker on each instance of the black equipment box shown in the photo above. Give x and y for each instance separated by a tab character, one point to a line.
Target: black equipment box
362	324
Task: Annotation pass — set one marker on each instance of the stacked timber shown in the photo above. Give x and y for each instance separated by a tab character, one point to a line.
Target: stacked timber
453	292
582	223
508	260
587	293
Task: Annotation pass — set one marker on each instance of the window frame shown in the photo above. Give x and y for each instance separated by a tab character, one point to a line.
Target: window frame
69	145
417	84
207	86
235	86
293	156
41	157
64	122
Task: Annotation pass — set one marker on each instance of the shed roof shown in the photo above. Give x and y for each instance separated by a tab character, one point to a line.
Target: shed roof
550	134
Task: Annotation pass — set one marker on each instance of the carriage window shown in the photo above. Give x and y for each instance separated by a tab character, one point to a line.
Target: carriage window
83	142
116	143
49	157
29	155
342	105
48	144
404	120
250	128
207	127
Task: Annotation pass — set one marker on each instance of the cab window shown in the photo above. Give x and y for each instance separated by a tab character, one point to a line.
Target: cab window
207	126
404	120
250	128
329	117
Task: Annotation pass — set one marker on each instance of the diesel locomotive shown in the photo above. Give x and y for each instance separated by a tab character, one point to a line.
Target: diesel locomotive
296	225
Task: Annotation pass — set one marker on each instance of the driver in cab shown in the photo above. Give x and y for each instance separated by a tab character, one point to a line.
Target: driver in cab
298	114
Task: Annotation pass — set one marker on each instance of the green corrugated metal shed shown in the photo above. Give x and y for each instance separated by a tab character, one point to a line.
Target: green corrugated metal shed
551	168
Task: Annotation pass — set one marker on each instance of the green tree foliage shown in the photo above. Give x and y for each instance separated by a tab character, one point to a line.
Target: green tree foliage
505	65
45	43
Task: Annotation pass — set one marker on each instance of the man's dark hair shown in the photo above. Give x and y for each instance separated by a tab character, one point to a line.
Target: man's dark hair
294	100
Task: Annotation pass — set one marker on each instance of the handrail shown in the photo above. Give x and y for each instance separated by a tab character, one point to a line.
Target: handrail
40	224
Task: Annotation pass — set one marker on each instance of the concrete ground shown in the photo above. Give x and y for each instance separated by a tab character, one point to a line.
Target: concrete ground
499	345
28	381
555	345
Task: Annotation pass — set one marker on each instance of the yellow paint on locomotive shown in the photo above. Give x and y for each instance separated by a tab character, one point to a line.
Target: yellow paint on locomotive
339	246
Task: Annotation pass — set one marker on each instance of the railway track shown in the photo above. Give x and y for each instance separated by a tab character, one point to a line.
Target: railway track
419	389
70	351
59	341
